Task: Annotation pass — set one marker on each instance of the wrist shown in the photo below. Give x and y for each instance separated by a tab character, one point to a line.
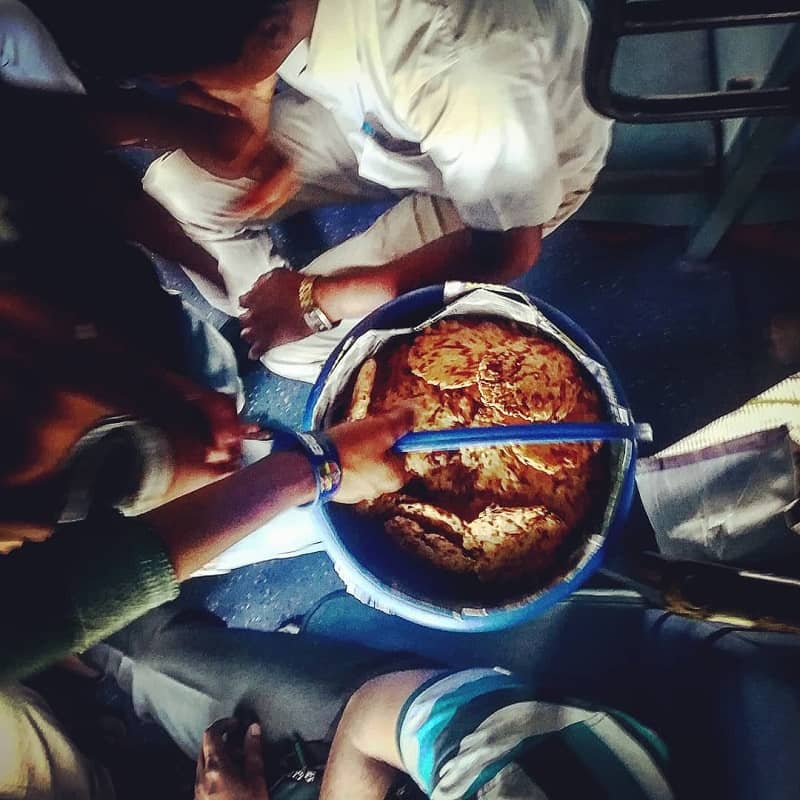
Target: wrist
322	458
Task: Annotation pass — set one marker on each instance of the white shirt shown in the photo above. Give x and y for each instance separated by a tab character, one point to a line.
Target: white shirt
478	101
29	57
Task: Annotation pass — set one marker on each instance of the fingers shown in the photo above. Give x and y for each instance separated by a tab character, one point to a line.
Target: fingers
252	430
225	445
369	480
394	424
201	766
249	298
375	434
213	749
396	464
222	460
192	95
256	351
258	347
254	761
267	196
390	476
247	318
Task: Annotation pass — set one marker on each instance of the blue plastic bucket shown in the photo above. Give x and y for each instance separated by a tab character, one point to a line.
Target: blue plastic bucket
380	574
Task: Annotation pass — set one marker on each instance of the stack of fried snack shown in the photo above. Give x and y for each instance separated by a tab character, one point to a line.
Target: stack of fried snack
500	513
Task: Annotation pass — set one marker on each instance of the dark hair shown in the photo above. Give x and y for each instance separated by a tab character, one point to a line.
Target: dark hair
112	41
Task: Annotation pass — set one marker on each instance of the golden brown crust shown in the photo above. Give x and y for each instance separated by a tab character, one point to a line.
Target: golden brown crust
496	512
515	542
550	458
435	519
449	353
531	379
428	545
362	390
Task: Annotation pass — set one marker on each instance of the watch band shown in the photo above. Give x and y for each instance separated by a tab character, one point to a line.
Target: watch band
322	455
314	316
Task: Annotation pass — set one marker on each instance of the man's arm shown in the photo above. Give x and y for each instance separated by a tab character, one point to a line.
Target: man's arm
469	255
79	128
224	144
198	526
364	759
145	221
118	118
273	316
94	577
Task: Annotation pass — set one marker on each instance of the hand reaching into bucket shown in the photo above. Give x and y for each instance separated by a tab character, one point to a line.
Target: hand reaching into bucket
369	467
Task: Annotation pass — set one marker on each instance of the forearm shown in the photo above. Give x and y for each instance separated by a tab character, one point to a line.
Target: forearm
125	117
466	255
199	526
93	578
84	583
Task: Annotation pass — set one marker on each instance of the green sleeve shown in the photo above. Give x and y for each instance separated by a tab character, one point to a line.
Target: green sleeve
87	581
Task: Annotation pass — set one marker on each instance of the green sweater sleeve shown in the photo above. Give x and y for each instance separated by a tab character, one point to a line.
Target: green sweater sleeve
87	581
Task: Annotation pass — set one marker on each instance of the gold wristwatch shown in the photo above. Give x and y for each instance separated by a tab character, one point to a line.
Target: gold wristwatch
314	316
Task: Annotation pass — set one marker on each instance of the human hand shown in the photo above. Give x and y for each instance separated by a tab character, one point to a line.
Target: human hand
205	442
191	94
369	467
273	315
256	158
207	419
111	379
230	145
251	102
218	775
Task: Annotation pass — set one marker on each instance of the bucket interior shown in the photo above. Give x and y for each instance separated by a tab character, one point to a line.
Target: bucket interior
401	578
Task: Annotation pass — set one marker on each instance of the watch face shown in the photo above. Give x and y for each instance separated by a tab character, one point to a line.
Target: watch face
316	320
312	321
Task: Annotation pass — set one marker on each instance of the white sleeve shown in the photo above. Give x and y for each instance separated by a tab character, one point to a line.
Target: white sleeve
487	124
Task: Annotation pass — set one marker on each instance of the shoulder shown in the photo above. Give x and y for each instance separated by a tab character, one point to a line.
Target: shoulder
437	50
465	24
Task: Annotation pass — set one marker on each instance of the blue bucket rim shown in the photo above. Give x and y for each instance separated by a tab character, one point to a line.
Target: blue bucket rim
359	580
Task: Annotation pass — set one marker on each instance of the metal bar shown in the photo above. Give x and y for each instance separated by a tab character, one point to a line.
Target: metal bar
663	16
702	106
751	156
600	54
616	18
715	76
741	182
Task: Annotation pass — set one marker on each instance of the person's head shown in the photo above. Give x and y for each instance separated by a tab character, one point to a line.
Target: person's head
63	374
220	45
39	421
